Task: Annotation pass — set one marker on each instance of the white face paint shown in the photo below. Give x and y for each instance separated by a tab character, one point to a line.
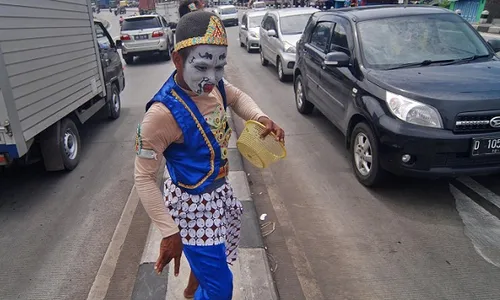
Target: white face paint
204	68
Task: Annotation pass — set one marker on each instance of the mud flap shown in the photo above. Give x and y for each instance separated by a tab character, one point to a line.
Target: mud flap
50	145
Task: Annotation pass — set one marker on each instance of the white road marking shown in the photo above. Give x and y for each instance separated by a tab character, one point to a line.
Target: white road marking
481	190
481	227
108	265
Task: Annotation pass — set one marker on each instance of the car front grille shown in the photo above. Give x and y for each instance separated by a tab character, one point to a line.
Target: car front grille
477	122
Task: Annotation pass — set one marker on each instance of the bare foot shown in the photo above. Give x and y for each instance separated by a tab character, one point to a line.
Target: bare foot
191	287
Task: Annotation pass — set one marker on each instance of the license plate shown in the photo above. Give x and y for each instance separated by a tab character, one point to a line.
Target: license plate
141	37
485	146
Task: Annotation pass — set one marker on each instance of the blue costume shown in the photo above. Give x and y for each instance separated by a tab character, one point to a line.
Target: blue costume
198	197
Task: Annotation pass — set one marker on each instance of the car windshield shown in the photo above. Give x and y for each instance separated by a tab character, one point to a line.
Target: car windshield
259	5
228	11
140	23
399	41
254	22
294	24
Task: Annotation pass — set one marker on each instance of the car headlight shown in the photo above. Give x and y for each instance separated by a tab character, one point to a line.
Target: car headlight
412	111
289	48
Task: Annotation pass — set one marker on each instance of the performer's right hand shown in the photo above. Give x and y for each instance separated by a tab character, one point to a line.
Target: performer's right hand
170	248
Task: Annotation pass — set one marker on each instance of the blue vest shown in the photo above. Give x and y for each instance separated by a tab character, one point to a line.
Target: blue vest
194	164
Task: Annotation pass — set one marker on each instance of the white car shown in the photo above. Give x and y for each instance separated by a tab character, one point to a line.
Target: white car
279	33
259	5
249	29
228	14
146	35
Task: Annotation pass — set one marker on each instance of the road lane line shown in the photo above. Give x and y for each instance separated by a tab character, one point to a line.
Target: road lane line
102	280
481	227
305	274
481	190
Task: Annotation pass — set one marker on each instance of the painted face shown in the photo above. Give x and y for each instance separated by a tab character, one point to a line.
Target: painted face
204	68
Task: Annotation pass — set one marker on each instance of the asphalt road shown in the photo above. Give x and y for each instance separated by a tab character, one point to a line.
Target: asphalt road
55	227
336	239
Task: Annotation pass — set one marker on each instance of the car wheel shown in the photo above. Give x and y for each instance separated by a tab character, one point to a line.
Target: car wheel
281	75
129	59
263	61
364	156
70	144
303	106
114	103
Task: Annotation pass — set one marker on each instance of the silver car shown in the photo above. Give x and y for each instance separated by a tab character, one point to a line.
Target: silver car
146	35
249	30
279	33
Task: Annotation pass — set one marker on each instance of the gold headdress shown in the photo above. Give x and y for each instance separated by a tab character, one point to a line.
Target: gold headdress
191	32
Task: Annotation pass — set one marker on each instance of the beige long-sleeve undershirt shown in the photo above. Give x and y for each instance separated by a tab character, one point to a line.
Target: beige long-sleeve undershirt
159	129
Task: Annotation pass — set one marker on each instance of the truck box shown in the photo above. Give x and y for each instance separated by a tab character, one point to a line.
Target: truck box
50	67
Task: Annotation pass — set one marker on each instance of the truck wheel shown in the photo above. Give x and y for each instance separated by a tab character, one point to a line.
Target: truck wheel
166	54
129	59
114	103
70	144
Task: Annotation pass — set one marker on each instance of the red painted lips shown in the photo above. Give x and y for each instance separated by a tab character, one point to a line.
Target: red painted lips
207	88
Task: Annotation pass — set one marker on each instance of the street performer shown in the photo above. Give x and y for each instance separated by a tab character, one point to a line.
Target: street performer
186	122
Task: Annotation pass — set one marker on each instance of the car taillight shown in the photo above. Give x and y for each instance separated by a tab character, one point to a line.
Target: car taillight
125	37
157	33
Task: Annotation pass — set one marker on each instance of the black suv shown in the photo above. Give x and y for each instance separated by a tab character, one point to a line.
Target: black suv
415	89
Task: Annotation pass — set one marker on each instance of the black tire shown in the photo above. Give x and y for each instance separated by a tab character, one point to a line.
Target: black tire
263	61
279	70
114	103
376	175
70	144
129	59
304	107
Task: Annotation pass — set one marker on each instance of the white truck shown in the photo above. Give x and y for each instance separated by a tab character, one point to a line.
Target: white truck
58	67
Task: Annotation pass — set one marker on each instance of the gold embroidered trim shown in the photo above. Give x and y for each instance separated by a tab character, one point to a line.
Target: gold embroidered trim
205	138
215	35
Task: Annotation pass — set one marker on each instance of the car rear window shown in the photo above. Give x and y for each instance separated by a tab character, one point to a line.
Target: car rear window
140	23
228	11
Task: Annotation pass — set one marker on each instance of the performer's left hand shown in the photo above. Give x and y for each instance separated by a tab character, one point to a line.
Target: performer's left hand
170	248
272	127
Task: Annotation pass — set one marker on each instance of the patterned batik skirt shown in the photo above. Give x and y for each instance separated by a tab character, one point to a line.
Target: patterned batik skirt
207	219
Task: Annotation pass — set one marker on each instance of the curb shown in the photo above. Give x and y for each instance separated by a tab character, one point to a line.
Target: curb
487	28
252	274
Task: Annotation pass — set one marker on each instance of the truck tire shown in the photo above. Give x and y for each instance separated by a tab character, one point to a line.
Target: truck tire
114	103
129	59
70	144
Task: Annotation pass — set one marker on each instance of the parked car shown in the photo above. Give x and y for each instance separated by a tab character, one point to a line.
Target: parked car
259	5
249	30
145	35
228	14
414	89
279	33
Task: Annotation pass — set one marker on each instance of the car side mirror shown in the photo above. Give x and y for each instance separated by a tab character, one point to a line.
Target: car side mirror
271	33
118	44
337	59
495	44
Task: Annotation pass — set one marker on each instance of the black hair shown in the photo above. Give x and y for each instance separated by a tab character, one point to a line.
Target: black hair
184	6
184	53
